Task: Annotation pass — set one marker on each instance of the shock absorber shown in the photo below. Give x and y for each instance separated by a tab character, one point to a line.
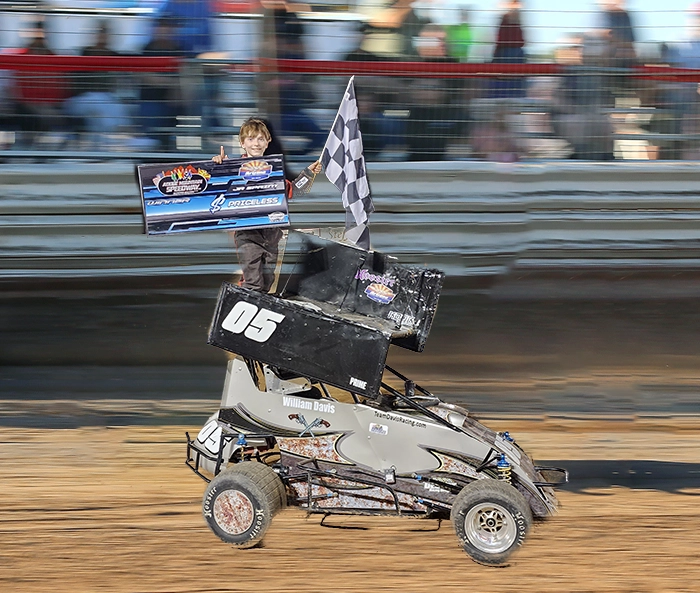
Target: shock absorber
504	469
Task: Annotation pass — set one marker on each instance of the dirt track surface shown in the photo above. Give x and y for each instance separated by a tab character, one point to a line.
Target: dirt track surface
116	510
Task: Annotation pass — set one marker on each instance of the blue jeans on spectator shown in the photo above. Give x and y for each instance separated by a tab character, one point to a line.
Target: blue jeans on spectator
508	86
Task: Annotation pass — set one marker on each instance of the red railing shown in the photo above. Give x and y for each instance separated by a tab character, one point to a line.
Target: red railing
50	63
46	63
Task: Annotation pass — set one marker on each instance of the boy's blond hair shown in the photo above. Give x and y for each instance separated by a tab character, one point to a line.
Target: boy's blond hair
252	127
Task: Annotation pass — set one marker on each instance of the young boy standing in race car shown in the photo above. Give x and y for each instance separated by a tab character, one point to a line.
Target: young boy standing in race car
258	249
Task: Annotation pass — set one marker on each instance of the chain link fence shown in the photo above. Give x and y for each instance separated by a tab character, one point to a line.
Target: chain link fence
435	81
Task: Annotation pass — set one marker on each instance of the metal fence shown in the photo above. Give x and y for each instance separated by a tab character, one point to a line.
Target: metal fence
178	77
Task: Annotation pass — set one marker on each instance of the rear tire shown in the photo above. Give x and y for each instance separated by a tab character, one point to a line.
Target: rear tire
491	520
240	502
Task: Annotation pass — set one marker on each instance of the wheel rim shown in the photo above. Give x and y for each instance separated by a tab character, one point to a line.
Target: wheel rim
233	512
490	528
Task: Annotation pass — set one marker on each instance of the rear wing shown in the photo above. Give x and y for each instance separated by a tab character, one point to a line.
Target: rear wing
342	308
371	284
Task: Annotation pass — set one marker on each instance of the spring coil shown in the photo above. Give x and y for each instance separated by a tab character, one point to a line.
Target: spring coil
504	470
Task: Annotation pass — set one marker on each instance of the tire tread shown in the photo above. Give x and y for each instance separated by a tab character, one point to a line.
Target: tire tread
266	479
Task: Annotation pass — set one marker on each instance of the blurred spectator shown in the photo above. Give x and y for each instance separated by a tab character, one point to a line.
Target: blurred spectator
294	93
436	115
159	94
688	56
689	53
40	94
390	28
96	103
510	41
381	101
509	49
666	98
669	55
618	32
388	34
689	93
493	140
580	100
199	85
690	124
431	44
460	36
8	108
192	20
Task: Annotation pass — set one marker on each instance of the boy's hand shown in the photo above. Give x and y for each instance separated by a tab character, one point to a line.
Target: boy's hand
315	168
219	158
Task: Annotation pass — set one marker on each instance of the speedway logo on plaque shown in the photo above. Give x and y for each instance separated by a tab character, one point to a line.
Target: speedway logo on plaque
242	193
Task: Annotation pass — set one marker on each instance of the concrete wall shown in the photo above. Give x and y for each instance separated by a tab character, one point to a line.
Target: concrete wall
523	225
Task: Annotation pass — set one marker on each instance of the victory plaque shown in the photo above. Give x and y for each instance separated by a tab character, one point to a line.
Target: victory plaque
242	193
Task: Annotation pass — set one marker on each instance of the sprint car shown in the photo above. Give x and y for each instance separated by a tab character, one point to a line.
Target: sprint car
312	416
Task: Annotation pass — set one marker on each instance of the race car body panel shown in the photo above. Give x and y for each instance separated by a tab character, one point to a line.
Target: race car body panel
366	436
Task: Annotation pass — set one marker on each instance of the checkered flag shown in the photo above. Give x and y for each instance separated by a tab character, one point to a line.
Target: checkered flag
344	164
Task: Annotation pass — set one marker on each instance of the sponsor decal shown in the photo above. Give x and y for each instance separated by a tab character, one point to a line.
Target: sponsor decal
263	187
366	275
301	403
239	204
217	203
401	419
167	201
355	382
431	487
276	216
379	289
401	319
380	293
382	429
302	182
208	511
182	181
308	426
255	170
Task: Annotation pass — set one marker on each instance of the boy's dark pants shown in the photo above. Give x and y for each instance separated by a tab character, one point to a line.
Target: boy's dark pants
257	254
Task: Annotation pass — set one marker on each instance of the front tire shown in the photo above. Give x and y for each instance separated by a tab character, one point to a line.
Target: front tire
240	502
264	473
491	520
